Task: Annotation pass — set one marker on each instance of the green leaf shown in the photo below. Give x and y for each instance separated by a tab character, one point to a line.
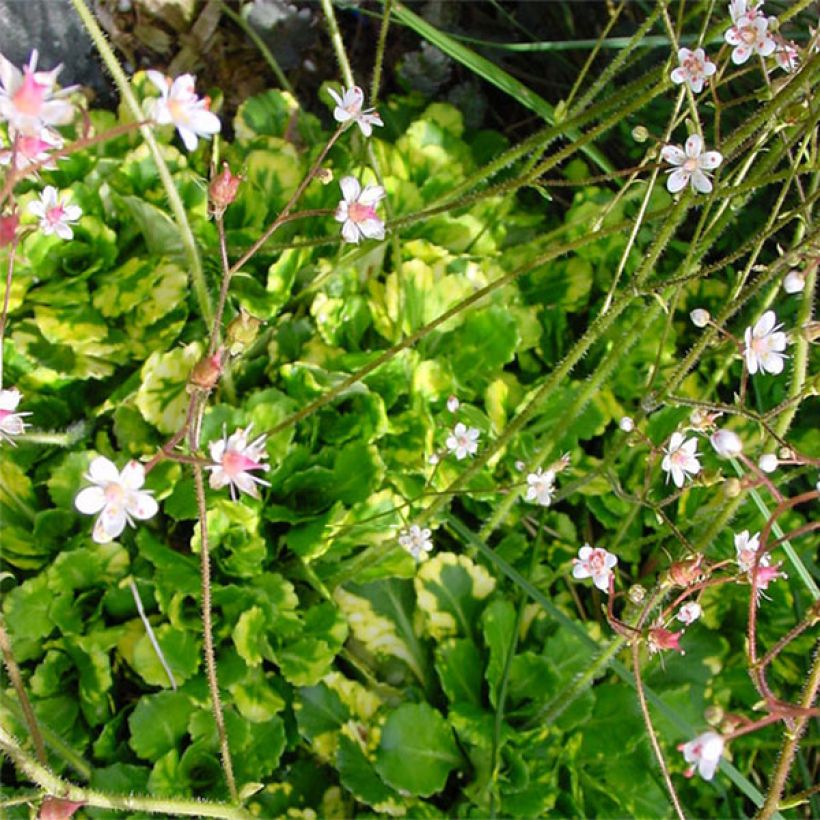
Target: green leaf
319	709
459	668
358	775
158	723
180	648
417	750
249	637
162	398
498	624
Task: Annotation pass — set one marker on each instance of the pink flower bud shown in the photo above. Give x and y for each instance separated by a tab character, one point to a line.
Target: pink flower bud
686	572
660	638
8	228
222	190
206	372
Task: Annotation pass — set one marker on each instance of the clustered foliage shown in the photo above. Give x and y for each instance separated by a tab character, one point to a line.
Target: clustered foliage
511	473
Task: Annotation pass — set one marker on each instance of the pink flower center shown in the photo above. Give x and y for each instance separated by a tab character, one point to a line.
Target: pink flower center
114	493
360	213
30	147
693	66
748	35
690	165
28	99
55	215
4	414
234	463
178	110
597	562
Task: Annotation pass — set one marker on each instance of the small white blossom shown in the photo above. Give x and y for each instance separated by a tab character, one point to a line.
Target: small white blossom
692	162
626	424
28	102
794	282
726	443
595	563
695	68
117	496
541	487
235	459
749	34
704	752
416	541
453	404
349	109
768	463
179	105
786	56
700	317
463	441
681	459
357	211
689	613
434	459
11	421
746	548
55	213
765	344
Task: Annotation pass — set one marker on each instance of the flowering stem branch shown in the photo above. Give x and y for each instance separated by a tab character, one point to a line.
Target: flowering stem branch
653	738
794	632
336	40
207	629
174	200
19	687
790	744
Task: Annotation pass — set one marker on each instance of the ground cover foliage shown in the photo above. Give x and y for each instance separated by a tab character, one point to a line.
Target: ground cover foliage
546	283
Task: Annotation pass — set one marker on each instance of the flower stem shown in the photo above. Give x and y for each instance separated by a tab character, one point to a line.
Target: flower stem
6	296
150	632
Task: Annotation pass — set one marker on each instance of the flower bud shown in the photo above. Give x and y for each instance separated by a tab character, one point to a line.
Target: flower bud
640	133
732	488
453	404
660	638
794	282
636	593
206	372
713	714
8	228
241	332
324	175
222	190
768	463
700	317
626	424
686	572
726	443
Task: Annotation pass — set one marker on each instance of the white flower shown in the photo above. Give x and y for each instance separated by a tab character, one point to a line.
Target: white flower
626	424
680	459
463	441
749	34
28	150
689	612
55	213
11	422
235	458
794	282
453	404
116	496
595	563
726	443
746	547
541	487
704	752
179	105
768	463
28	102
357	211
700	317
765	344
694	68
692	161
349	109
787	56
416	541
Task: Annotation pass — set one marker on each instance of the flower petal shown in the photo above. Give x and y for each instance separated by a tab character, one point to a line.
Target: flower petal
677	181
143	506
673	155
132	476
90	500
103	471
350	188
694	145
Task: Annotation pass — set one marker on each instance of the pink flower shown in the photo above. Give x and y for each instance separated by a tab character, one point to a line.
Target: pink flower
463	441
28	102
765	343
765	575
179	105
11	422
787	56
746	548
705	752
692	161
660	639
541	487
681	459
694	69
349	109
117	496
595	563
749	34
30	150
235	459
357	211
55	213
8	228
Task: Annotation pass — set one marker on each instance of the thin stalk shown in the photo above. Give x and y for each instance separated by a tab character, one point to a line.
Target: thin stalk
337	42
51	784
650	729
6	297
378	63
20	688
207	629
150	632
174	200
